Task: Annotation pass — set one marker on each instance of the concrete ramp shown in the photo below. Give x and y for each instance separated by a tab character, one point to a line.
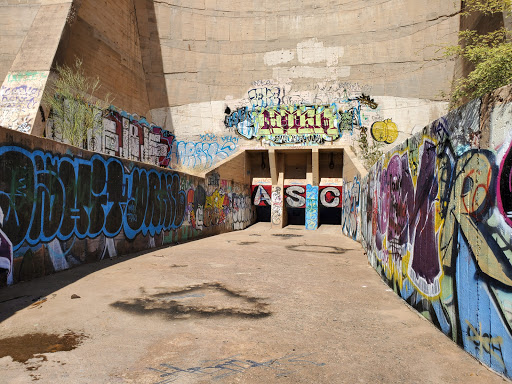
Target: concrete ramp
253	306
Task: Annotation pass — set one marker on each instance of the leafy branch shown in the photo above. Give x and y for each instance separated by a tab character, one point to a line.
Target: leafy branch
490	54
74	108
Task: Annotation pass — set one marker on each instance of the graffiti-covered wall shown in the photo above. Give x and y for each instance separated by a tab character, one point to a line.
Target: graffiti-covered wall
435	219
121	134
61	206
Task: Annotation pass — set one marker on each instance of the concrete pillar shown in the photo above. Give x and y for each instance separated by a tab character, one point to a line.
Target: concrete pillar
278	211
273	165
23	87
315	166
311	207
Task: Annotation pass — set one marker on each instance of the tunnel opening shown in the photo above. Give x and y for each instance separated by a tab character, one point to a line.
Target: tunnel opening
263	214
261	185
330	216
296	216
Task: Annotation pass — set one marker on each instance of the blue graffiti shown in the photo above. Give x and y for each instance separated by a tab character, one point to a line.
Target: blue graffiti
45	196
198	154
311	207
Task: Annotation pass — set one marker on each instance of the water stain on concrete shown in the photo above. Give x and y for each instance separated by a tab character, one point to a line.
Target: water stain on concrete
33	345
314	248
203	300
286	235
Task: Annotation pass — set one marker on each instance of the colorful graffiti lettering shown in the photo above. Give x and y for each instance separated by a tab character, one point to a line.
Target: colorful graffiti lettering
52	205
130	137
295	120
49	196
198	154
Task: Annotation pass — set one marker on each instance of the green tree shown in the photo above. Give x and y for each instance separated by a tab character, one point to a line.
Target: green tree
74	108
490	54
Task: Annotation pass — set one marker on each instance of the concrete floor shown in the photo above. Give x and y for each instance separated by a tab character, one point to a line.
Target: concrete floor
255	306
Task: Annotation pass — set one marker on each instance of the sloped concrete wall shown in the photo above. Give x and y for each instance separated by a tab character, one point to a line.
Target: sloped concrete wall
61	206
106	38
435	217
15	22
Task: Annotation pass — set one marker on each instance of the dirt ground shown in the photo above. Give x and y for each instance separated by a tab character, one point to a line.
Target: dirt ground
255	306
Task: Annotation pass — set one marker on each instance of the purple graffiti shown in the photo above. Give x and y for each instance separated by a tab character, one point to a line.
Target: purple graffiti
401	193
425	268
504	188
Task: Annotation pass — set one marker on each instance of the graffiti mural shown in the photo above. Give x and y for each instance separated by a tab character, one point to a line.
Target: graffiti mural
277	205
134	138
350	208
201	154
311	207
20	95
68	209
435	220
277	116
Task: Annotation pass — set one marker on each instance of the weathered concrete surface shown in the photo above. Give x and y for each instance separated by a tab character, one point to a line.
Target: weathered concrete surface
331	318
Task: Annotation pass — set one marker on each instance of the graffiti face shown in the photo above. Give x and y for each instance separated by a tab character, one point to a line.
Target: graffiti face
384	131
400	195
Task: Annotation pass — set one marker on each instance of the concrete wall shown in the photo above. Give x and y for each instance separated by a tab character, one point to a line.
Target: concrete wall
15	22
106	39
216	53
61	206
27	76
182	65
212	48
434	215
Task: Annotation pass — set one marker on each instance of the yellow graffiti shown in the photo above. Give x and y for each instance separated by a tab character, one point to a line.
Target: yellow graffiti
215	200
297	120
384	131
485	342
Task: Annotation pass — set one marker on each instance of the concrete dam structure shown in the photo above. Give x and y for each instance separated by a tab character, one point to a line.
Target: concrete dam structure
231	113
